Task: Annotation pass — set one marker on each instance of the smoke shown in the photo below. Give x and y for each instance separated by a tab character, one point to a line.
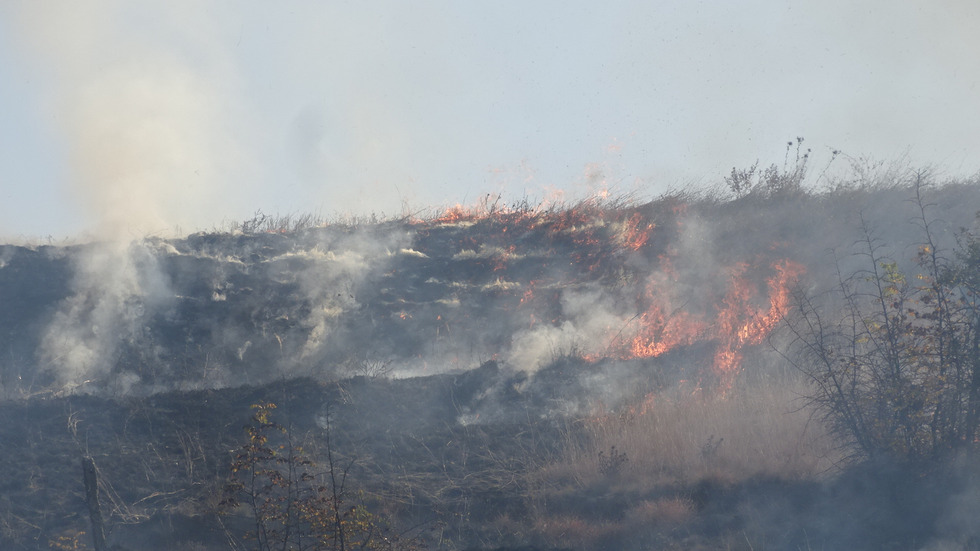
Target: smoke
957	523
332	274
144	98
424	299
587	317
116	287
145	101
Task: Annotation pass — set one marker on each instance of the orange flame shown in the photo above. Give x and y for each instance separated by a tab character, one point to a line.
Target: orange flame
635	233
740	323
731	316
739	320
456	213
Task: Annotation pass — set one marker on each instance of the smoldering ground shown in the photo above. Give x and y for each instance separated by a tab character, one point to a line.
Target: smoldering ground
506	322
219	309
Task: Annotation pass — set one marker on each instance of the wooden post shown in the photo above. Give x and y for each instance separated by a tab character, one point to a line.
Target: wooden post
91	478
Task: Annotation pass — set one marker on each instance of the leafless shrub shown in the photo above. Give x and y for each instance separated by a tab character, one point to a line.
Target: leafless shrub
367	367
893	361
611	464
774	181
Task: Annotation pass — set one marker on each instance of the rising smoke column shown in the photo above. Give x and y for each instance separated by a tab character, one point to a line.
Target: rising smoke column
116	288
143	98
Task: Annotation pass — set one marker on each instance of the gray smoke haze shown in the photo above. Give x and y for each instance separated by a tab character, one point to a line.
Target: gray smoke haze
587	317
160	139
957	522
596	317
121	292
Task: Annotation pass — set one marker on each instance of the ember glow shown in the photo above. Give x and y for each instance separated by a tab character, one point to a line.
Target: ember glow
601	281
454	214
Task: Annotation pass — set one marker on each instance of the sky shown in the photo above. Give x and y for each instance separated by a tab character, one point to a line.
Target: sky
168	117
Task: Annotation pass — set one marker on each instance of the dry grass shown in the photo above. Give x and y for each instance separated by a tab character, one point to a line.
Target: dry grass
576	532
663	511
643	522
678	437
667	447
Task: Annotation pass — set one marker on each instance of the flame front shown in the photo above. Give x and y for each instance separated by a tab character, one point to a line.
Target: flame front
660	311
637	232
736	321
740	322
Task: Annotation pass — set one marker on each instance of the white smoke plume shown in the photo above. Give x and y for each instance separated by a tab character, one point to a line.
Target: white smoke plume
147	118
330	279
144	98
115	288
588	318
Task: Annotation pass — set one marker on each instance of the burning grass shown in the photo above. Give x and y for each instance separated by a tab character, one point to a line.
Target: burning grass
660	310
604	276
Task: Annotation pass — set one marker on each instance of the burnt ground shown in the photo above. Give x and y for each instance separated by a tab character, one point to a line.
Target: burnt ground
501	331
164	460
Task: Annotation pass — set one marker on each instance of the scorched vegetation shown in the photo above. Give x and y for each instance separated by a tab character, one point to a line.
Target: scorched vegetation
781	365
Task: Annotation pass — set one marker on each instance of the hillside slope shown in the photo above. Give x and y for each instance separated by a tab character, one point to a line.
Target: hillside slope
430	296
476	364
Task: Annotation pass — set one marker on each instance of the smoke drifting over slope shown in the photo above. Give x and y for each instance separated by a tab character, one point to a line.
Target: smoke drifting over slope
603	284
608	316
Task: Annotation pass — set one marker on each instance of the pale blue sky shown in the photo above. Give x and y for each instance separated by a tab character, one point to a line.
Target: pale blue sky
160	116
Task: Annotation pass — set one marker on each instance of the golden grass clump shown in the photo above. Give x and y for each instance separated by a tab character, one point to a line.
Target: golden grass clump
679	436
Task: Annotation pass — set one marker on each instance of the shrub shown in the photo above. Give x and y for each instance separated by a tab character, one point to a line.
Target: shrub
292	506
613	463
892	354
